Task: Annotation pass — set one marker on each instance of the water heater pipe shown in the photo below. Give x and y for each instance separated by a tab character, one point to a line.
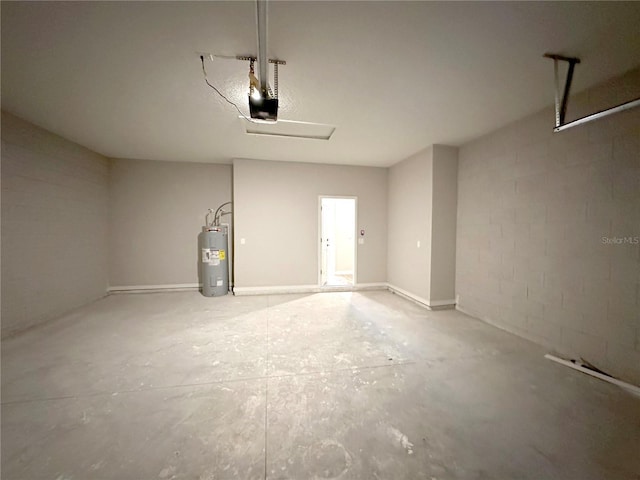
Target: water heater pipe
219	213
206	218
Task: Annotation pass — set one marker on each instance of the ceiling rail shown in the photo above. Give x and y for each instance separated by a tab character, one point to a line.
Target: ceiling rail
602	113
561	103
262	44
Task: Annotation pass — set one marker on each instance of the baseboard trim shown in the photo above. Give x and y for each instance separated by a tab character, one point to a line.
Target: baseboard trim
442	303
371	286
272	290
285	289
176	287
408	295
430	304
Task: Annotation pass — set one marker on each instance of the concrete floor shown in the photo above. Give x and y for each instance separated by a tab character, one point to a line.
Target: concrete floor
331	385
339	280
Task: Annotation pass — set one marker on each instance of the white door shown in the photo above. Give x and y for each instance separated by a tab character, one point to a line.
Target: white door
327	210
337	241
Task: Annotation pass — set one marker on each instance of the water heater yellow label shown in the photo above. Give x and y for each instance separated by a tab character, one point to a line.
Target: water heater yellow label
221	255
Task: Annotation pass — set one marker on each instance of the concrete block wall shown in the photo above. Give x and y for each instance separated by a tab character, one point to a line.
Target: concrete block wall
548	233
54	225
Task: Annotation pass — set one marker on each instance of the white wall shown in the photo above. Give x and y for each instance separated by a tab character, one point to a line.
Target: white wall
422	208
409	193
533	209
157	210
276	212
54	225
443	223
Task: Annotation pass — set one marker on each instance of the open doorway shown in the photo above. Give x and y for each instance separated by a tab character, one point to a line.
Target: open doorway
337	256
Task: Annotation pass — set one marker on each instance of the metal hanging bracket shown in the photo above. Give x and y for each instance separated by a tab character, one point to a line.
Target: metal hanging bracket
275	73
561	104
274	61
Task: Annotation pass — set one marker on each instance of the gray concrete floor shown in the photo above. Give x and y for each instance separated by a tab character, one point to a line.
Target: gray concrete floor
339	280
331	385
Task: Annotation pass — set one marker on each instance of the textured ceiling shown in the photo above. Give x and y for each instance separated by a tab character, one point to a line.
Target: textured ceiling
124	79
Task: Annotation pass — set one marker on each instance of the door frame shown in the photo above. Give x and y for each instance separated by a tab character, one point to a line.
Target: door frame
355	237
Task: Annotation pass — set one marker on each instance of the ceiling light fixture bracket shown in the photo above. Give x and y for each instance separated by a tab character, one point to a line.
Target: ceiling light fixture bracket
274	61
265	105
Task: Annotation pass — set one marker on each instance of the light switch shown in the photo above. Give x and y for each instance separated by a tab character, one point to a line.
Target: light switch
361	241
418	244
242	241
